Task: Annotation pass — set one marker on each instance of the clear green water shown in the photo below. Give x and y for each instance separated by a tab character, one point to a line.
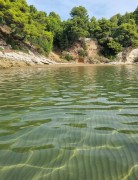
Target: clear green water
75	123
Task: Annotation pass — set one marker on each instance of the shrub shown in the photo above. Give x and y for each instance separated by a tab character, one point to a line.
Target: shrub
68	57
1	48
82	53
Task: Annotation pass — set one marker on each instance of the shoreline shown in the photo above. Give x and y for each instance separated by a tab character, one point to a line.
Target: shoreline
20	59
13	64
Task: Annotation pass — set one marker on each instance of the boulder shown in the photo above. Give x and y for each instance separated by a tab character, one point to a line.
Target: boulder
128	55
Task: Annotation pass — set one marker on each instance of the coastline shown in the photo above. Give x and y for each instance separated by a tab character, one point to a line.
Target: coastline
9	59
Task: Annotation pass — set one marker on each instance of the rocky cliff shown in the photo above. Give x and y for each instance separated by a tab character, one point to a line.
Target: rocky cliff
86	50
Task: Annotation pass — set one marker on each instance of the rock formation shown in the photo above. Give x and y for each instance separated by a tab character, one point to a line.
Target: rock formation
129	55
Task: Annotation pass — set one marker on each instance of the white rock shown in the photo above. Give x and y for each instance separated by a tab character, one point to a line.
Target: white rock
28	58
128	56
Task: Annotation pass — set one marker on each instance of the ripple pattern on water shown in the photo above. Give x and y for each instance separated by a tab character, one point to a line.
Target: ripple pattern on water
72	123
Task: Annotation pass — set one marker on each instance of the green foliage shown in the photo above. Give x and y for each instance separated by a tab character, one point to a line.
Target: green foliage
135	14
114	47
94	27
80	22
32	9
27	25
73	29
126	34
82	53
116	33
68	57
12	43
1	49
135	43
53	23
79	12
111	48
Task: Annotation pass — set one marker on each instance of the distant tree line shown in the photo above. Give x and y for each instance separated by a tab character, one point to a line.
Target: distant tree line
45	32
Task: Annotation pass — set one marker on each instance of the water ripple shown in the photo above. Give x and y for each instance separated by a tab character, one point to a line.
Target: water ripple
69	123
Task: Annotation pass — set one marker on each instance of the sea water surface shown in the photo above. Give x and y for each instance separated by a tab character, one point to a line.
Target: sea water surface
69	123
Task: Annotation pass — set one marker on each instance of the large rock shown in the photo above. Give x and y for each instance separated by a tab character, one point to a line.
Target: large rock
129	55
132	56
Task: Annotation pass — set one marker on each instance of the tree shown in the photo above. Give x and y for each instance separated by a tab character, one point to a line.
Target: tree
78	25
93	27
136	15
40	31
27	25
53	23
32	9
126	34
79	12
114	47
125	18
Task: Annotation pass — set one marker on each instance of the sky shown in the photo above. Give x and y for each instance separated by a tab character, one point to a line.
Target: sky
97	8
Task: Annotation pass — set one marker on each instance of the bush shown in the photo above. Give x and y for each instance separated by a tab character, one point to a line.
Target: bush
82	53
68	57
40	50
1	48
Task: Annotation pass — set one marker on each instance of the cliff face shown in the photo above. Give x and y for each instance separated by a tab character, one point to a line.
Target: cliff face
86	50
129	55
